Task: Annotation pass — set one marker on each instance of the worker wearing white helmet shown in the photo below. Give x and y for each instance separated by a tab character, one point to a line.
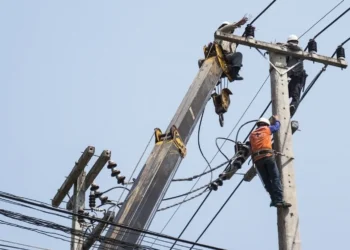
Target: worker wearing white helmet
264	159
233	58
297	74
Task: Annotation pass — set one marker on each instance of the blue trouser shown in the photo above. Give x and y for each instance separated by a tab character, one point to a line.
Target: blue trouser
270	175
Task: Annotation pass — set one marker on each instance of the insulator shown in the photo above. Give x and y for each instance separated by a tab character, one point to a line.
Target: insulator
103	199
121	179
238	162
115	172
94	187
92	200
111	164
312	46
219	182
249	31
213	186
340	53
97	194
81	219
223	176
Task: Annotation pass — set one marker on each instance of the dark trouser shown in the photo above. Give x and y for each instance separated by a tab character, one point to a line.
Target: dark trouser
235	62
295	86
270	175
234	59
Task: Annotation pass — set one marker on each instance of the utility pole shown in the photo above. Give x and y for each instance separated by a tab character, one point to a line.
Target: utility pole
149	189
78	206
287	219
81	182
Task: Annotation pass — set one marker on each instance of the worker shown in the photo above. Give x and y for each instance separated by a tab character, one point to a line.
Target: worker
264	159
297	74
233	58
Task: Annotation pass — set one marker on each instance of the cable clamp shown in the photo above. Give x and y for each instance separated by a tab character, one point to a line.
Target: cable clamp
172	136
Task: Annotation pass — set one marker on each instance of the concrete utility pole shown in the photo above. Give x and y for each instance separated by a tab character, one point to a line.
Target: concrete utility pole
154	179
288	219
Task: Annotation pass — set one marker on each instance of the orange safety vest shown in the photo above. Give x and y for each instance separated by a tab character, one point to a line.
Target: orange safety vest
260	139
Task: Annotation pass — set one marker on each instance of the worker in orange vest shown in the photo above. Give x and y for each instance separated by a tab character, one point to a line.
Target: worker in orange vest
264	159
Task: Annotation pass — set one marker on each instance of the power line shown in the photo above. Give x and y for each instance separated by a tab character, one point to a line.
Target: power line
218	212
321	19
12	197
20	244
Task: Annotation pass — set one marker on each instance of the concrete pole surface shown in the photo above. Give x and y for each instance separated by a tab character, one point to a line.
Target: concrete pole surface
287	218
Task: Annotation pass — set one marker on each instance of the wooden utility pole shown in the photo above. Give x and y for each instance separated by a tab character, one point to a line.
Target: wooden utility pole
81	182
287	218
78	204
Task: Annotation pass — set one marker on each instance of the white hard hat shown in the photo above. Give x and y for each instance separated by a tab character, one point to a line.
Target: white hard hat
293	38
224	24
263	120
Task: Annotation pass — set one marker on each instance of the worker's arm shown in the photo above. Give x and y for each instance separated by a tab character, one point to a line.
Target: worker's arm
276	125
230	28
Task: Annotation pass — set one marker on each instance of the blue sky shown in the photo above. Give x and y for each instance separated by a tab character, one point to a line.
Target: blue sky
79	73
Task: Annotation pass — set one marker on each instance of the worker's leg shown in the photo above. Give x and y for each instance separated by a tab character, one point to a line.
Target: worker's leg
276	185
295	87
261	168
235	63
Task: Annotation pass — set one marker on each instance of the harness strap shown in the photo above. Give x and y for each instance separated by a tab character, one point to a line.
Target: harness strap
263	151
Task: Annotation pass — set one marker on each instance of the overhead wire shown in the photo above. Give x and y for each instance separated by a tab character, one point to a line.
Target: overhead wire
199	144
252	129
24	245
321	19
13	197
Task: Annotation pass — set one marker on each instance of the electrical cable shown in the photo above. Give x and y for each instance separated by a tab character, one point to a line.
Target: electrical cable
12	197
189	222
199	145
183	201
24	245
216	143
227	200
331	23
185	194
321	19
319	74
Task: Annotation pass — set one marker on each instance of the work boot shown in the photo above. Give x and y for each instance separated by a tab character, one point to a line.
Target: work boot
292	110
283	204
234	73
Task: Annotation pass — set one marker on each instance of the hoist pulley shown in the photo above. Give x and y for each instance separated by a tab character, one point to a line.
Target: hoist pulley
221	103
215	49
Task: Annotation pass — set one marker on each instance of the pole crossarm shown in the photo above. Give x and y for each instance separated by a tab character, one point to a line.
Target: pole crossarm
73	176
281	49
92	174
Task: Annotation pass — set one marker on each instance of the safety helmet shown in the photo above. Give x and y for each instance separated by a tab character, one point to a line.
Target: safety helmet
224	24
263	120
293	38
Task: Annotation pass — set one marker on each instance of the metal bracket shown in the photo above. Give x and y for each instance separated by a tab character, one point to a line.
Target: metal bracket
279	72
173	136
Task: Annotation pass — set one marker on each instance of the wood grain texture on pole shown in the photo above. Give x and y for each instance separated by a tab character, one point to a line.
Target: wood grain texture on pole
287	218
78	204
